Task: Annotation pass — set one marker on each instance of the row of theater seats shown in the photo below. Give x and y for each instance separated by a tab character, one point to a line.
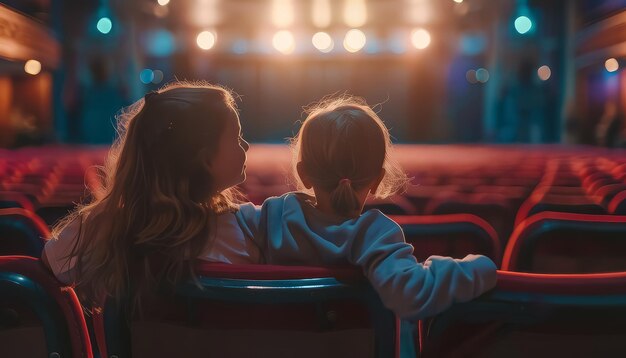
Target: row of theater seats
281	311
547	242
553	218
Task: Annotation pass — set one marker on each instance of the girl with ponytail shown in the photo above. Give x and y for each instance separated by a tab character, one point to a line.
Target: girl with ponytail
342	154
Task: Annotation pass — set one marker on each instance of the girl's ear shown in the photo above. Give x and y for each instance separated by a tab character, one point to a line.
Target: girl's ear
303	175
378	181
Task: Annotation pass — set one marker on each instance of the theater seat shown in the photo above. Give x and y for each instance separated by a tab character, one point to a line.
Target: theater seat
9	199
39	317
256	311
552	242
534	315
22	232
454	235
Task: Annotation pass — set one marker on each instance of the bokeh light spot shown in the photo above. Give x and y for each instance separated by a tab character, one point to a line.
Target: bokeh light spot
354	41
523	24
544	72
611	65
104	25
32	67
206	40
146	76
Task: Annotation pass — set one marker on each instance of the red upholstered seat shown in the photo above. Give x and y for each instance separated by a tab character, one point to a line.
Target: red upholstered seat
534	315
453	235
41	316
257	310
552	242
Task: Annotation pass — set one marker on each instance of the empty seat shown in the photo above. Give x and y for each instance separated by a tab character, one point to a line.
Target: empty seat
534	315
9	199
22	232
493	208
260	311
552	242
395	205
455	235
39	316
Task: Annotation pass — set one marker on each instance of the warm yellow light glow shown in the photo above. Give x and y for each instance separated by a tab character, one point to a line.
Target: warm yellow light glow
419	11
354	41
323	42
284	42
544	73
204	13
355	13
32	67
161	11
320	13
420	38
611	65
163	2
458	1
282	13
206	40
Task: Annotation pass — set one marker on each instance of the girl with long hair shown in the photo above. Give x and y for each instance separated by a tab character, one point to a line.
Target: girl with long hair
166	199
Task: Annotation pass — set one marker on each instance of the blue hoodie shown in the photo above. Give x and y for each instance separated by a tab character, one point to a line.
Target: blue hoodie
289	230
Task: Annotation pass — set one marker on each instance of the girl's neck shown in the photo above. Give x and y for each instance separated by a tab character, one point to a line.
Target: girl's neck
324	205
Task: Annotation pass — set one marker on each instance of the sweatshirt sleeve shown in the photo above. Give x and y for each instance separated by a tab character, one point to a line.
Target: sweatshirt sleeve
250	219
413	290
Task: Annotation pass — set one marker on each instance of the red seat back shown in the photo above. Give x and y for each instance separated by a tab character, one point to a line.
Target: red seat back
534	315
38	304
552	242
261	311
455	235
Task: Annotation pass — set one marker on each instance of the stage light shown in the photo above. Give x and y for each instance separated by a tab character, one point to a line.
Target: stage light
104	25
523	24
544	73
355	13
284	42
323	42
470	76
420	38
282	13
482	75
158	76
458	1
163	2
611	65
32	67
206	40
321	13
146	76
354	41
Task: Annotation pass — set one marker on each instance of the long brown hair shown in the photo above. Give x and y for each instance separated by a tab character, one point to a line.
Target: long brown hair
150	218
343	146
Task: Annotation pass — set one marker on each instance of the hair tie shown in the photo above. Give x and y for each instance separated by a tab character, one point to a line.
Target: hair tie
344	181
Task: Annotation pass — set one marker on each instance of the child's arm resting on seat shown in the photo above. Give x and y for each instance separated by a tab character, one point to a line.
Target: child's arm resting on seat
413	290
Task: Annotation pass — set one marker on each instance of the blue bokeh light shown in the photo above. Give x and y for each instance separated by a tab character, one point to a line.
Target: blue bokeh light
523	24
472	44
146	76
160	43
104	25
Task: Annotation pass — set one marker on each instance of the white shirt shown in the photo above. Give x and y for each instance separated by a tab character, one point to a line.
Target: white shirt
229	245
